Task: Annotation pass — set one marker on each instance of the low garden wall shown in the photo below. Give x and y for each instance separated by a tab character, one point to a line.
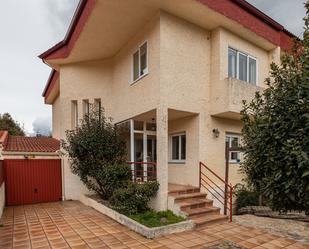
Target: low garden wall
2	188
132	224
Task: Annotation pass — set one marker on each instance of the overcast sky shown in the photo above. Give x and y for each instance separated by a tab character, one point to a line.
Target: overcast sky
28	28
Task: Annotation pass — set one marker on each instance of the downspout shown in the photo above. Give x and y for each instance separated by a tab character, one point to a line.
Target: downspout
62	176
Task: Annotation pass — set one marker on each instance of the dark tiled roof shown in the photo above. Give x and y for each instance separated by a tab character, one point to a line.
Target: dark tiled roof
32	144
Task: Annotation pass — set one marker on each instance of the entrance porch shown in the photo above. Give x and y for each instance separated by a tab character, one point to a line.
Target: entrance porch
161	145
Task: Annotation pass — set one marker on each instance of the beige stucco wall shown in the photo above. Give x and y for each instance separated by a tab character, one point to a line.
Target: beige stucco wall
56	118
110	81
185	173
187	72
227	94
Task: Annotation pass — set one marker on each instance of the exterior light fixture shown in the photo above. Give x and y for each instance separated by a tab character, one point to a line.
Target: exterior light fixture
216	132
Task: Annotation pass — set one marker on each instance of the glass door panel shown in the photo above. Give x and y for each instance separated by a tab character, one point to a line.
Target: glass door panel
151	155
138	155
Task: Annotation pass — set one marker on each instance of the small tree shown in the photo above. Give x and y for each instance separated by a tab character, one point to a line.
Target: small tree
9	124
276	132
97	154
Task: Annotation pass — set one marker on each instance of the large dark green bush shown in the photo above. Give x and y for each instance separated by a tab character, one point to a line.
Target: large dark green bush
97	154
134	198
276	132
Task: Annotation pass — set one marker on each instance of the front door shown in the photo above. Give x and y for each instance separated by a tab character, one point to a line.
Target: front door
143	149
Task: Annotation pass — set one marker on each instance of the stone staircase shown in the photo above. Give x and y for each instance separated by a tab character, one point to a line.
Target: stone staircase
189	201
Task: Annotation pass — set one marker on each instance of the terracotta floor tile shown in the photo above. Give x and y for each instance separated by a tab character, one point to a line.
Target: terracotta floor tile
153	244
247	244
270	246
73	225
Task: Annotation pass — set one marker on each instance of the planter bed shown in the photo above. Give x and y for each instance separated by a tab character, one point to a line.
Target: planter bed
153	232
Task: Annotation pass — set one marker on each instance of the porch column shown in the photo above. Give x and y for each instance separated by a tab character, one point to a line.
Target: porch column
162	158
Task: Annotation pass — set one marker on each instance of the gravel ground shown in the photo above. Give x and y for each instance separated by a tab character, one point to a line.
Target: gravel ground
296	230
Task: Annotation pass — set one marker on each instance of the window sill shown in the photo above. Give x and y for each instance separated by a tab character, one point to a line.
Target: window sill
233	78
176	162
138	79
233	162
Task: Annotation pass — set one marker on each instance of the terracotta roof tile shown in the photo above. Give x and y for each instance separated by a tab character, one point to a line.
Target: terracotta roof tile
3	137
32	144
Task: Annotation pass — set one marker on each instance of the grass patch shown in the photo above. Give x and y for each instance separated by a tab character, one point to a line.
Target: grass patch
157	219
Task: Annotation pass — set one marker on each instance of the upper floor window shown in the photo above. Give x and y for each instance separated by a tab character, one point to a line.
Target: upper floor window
74	114
97	105
178	147
86	107
242	66
140	62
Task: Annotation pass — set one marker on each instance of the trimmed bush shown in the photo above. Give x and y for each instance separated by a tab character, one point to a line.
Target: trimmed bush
134	197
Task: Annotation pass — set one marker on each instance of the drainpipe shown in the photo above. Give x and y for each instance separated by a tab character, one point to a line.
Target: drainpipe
62	175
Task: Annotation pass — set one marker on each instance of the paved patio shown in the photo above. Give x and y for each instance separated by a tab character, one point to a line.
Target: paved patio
70	224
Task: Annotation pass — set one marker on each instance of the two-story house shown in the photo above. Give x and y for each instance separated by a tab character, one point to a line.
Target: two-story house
173	72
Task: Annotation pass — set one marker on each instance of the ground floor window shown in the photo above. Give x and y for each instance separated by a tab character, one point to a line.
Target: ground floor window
178	147
233	142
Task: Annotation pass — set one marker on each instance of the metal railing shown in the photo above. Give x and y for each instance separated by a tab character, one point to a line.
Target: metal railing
224	196
140	174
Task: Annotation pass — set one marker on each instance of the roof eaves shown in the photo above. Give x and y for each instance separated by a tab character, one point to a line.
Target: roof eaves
65	41
51	75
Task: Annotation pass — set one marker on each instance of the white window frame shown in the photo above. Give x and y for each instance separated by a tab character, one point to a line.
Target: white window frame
237	65
146	71
171	160
230	135
86	107
97	104
74	114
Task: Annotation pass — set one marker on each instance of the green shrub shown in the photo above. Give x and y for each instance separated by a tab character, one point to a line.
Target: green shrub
157	219
97	154
245	197
133	198
276	131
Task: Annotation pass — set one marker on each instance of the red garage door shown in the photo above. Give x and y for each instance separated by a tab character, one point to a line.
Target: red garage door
32	181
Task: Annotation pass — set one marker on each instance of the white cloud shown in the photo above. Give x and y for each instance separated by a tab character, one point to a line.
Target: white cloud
42	126
28	28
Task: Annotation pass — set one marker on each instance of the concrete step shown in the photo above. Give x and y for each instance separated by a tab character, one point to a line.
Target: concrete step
184	190
194	203
209	219
200	212
181	197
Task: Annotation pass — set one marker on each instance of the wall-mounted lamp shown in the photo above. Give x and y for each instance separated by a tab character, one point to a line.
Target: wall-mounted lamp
216	132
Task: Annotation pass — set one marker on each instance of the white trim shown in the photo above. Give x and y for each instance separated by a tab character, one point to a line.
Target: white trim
132	145
146	71
237	65
256	67
231	135
86	107
145	152
171	160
